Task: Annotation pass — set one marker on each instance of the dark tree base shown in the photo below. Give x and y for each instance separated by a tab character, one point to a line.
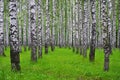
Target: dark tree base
73	49
81	51
106	62
46	49
15	61
60	46
77	50
29	48
92	57
25	49
39	52
2	52
34	53
92	53
85	52
52	47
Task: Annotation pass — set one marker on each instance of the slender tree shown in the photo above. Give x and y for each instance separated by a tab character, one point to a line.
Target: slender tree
105	35
25	27
85	25
110	25
114	10
53	26
39	29
60	25
33	30
81	28
93	39
119	26
1	27
14	38
7	33
73	25
47	33
29	28
76	26
20	26
99	28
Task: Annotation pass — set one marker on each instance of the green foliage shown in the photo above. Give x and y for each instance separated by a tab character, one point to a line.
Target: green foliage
62	64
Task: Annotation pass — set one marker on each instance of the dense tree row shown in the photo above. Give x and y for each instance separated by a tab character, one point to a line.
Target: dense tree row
77	24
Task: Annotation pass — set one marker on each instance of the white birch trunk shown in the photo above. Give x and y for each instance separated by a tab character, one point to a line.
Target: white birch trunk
33	30
47	33
39	29
1	27
14	37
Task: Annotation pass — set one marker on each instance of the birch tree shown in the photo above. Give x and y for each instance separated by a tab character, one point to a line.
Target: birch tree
85	25
39	29
29	28
76	26
93	39
7	33
53	26
47	33
20	26
14	38
1	27
119	25
114	41
105	35
25	26
33	30
110	25
81	27
73	26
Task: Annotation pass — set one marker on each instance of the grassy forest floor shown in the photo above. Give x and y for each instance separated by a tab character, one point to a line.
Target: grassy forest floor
62	64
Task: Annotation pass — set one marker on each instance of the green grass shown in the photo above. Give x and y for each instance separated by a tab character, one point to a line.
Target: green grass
62	64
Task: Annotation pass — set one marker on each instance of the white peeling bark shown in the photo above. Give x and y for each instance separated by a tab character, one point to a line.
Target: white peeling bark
39	29
1	27
33	30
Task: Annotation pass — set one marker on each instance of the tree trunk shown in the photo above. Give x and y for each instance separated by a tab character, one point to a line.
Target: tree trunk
33	30
110	25
114	41
24	31
39	29
105	35
119	26
7	33
76	26
29	28
47	33
14	38
53	26
81	28
85	25
20	27
93	38
1	28
73	27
